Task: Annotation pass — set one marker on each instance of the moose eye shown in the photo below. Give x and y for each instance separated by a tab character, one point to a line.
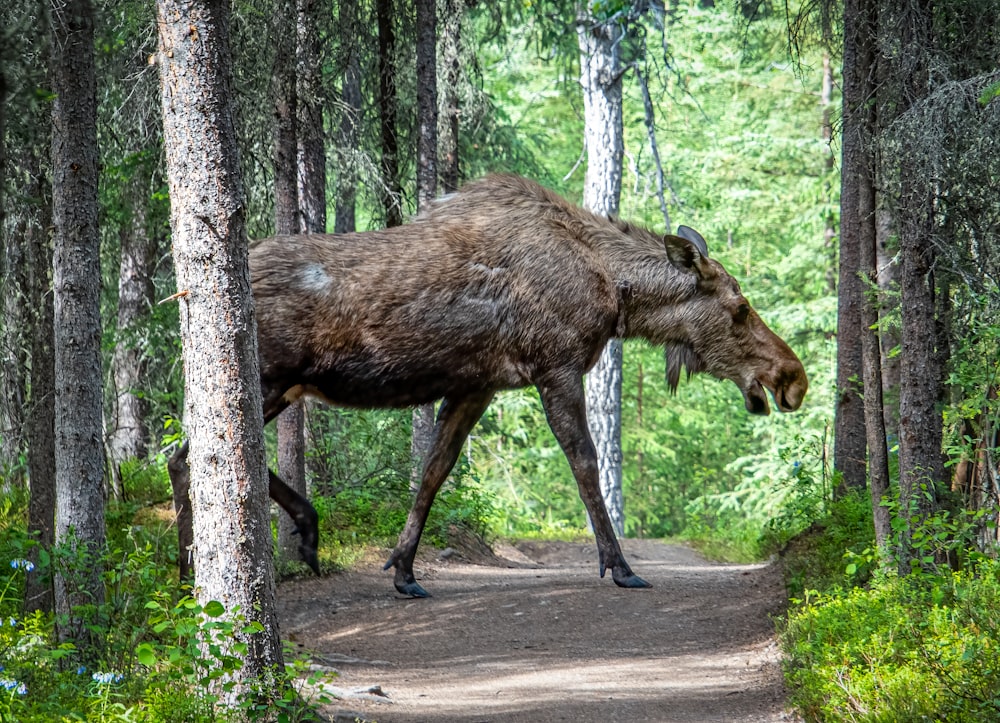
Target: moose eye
742	312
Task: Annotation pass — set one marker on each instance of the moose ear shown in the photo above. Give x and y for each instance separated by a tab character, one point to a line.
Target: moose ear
687	250
694	237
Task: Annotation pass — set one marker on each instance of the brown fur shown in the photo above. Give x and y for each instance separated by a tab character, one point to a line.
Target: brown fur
501	285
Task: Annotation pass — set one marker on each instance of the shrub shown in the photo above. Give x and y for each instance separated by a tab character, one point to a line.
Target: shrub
923	647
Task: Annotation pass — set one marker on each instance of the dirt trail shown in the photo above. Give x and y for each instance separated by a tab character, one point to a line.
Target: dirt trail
533	634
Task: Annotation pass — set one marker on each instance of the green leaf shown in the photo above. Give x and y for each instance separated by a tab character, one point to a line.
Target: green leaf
145	654
989	93
214	609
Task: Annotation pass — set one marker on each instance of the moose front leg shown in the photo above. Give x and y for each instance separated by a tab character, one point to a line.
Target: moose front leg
455	420
566	410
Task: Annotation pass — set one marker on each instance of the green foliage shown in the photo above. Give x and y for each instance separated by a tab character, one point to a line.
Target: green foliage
147	653
923	647
863	644
834	552
361	465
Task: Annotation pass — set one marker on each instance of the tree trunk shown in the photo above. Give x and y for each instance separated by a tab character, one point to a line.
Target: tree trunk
920	392
391	192
222	404
451	12
829	220
14	312
127	436
350	119
10	404
291	422
863	27
427	119
887	267
602	105
14	343
309	127
79	461
41	428
311	141
849	422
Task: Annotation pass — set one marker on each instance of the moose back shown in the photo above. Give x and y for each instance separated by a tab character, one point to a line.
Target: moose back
501	285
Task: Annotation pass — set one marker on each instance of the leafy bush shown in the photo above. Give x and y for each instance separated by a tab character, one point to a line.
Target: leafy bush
146	653
835	551
374	513
923	647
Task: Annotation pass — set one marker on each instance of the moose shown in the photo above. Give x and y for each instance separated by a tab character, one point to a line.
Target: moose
501	285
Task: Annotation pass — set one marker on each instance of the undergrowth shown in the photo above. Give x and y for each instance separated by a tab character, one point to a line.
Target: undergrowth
864	644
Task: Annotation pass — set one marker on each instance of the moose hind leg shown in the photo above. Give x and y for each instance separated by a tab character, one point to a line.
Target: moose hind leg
180	483
304	515
455	420
566	410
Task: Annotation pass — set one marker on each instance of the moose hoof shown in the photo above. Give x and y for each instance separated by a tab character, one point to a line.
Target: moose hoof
630	580
310	558
411	589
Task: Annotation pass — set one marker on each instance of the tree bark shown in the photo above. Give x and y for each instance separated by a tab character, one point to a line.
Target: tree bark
849	422
284	86
391	192
222	404
600	76
309	128
427	141
128	436
79	460
921	389
451	12
14	311
350	120
864	27
14	344
41	428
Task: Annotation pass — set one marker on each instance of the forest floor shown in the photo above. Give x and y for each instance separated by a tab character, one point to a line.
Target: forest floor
530	633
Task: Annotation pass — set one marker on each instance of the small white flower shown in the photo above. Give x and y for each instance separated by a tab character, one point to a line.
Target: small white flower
106	678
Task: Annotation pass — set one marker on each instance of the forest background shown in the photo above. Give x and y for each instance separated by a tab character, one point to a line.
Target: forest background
745	109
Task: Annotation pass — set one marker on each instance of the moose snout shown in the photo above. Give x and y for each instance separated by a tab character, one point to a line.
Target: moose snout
791	389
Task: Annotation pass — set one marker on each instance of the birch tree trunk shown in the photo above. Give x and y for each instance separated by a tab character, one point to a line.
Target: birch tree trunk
79	449
600	76
222	402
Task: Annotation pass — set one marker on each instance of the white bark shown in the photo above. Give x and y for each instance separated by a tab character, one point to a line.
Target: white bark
600	77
